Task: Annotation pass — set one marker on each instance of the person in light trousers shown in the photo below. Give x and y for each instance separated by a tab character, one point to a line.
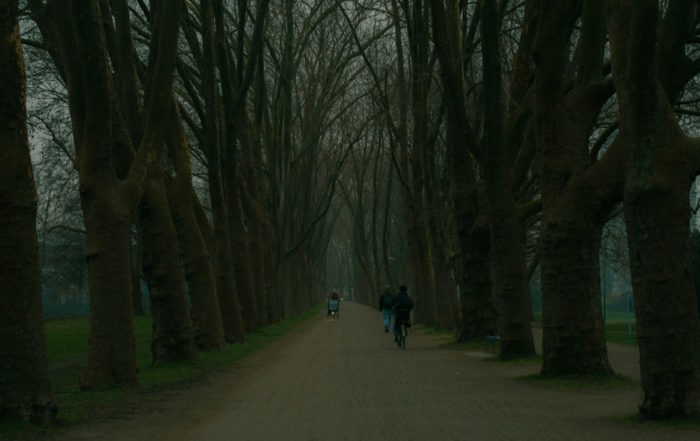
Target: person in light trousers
386	301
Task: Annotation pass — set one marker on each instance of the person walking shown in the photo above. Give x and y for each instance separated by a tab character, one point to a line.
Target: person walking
386	304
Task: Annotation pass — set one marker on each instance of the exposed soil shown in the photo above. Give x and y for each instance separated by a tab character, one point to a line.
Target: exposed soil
345	379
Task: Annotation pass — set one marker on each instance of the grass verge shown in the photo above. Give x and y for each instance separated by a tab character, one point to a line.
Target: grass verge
581	382
429	330
620	327
490	348
67	343
678	423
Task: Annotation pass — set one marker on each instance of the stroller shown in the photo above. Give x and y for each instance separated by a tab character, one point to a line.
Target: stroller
334	306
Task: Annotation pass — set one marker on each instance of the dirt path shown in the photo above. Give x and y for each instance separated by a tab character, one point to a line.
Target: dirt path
346	380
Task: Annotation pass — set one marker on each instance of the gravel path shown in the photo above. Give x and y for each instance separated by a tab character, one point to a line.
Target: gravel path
346	380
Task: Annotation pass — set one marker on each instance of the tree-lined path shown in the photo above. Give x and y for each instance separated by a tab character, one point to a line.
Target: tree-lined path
346	380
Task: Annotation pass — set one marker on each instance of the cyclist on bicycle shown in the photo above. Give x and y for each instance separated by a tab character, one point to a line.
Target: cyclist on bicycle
403	305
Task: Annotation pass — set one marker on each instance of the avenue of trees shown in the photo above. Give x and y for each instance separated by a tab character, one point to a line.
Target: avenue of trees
243	158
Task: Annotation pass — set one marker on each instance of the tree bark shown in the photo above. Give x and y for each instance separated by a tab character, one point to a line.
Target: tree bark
173	337
74	33
229	302
507	237
478	312
477	304
112	344
258	218
25	391
240	249
574	208
657	177
230	166
196	253
135	253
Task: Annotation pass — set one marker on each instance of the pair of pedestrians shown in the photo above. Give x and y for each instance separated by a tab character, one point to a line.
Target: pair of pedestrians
399	305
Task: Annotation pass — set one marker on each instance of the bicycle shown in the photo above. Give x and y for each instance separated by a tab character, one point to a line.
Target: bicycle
404	321
402	336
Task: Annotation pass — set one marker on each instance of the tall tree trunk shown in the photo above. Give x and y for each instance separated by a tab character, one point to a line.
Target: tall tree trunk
421	264
198	266
477	304
195	251
424	293
445	284
478	312
25	391
172	331
574	206
230	166
272	285
74	34
229	302
216	239
173	337
657	176
572	319
135	253
240	249
229	305
252	205
112	350
507	238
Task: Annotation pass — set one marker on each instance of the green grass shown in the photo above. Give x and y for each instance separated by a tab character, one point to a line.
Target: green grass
617	327
581	382
678	423
477	345
429	330
67	343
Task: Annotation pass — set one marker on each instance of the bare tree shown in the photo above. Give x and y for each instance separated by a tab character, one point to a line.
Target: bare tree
25	391
74	34
660	163
578	191
229	301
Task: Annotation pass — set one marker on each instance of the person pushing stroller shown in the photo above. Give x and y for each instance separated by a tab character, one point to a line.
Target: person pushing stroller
334	304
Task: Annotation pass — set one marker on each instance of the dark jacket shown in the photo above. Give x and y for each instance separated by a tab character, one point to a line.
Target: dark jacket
403	305
402	301
386	301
